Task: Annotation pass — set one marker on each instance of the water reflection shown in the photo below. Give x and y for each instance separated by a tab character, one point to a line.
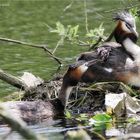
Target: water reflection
56	128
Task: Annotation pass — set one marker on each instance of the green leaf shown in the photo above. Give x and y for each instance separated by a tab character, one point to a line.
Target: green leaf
75	30
134	12
82	117
96	33
72	32
60	29
100	118
68	114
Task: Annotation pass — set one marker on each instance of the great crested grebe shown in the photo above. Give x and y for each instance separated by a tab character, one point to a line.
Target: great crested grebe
128	38
121	59
125	28
118	66
92	68
122	64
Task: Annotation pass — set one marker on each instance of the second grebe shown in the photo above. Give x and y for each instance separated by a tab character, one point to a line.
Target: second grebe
118	66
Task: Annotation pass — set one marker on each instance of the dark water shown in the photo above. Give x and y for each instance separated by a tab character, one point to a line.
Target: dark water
27	21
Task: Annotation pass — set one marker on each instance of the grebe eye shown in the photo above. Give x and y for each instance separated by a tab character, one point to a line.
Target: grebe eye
128	25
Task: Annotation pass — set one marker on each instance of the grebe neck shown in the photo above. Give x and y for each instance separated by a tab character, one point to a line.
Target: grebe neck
132	48
64	94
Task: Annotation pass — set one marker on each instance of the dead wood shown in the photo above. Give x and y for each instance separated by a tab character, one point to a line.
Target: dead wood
33	111
35	88
12	80
26	82
17	124
40	98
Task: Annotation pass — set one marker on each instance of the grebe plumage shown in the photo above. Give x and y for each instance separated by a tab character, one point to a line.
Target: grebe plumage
125	28
93	67
119	65
125	65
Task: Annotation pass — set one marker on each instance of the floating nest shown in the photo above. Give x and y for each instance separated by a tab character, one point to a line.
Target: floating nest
84	98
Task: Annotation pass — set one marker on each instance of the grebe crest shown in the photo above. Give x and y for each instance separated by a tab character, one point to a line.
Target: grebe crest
126	27
126	17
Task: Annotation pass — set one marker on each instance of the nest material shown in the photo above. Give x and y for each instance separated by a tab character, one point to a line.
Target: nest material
83	99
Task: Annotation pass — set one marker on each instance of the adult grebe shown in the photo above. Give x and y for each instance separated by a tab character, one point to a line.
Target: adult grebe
120	65
117	66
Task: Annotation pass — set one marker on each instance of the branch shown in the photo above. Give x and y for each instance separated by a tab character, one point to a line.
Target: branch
58	44
94	45
44	47
12	80
26	82
110	36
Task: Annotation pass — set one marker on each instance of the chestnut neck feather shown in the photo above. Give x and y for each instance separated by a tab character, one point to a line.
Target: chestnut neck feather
68	83
120	34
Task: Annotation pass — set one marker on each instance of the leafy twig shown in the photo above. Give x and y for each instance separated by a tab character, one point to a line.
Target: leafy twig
68	6
58	44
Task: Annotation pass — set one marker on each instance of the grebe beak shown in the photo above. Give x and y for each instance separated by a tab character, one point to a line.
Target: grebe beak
133	30
92	62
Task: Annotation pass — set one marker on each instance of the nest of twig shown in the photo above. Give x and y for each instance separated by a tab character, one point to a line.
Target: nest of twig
84	97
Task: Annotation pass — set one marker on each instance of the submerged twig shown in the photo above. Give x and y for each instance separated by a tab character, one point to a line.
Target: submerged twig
44	47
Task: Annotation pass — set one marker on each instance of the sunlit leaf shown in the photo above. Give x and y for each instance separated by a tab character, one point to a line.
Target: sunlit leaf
134	12
68	114
72	32
100	118
75	30
60	29
96	32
